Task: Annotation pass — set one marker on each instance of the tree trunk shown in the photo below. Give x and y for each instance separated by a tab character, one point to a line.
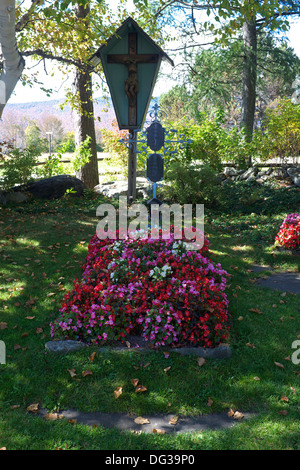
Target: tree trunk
84	117
13	62
249	77
85	126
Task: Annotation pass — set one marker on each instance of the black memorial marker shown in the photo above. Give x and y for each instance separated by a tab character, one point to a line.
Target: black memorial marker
155	167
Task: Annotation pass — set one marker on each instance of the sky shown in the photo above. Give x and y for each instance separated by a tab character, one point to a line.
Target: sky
58	82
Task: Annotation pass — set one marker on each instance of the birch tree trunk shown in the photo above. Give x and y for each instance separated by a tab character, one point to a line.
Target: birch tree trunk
13	62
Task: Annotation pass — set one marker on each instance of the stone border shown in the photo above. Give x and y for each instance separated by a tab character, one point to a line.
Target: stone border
67	346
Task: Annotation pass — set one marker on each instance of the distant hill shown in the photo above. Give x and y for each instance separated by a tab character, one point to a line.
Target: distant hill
36	109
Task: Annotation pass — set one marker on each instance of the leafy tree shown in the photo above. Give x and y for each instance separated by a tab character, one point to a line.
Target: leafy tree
62	31
215	81
33	137
13	128
49	123
68	142
176	103
280	136
231	19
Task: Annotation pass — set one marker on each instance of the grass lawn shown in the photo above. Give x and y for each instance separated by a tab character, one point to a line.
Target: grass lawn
42	249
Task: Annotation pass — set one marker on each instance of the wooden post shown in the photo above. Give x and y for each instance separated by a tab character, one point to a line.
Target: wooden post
131	195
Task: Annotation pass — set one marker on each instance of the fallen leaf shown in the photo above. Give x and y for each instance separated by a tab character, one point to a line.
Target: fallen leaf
167	368
72	372
29	302
3	325
17	346
118	392
255	310
210	402
92	356
238	415
282	412
173	420
53	416
201	361
30	318
141	420
279	365
86	372
14	407
141	388
250	345
256	378
284	398
235	414
134	382
72	421
158	431
33	407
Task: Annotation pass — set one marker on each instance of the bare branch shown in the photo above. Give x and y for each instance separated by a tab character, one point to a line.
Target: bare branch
65	60
188	46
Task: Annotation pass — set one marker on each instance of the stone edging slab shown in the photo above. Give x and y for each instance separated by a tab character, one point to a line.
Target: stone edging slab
66	346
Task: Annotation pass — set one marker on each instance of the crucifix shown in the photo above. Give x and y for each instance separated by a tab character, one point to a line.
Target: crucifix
131	60
132	84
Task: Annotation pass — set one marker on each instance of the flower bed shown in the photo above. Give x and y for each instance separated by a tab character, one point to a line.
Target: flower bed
153	288
289	233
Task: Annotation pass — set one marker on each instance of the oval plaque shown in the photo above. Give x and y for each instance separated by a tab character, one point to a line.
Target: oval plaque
155	136
155	167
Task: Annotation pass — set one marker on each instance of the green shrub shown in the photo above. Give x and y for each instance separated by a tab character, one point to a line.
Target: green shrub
52	167
82	155
19	167
280	134
214	144
188	184
249	197
118	152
